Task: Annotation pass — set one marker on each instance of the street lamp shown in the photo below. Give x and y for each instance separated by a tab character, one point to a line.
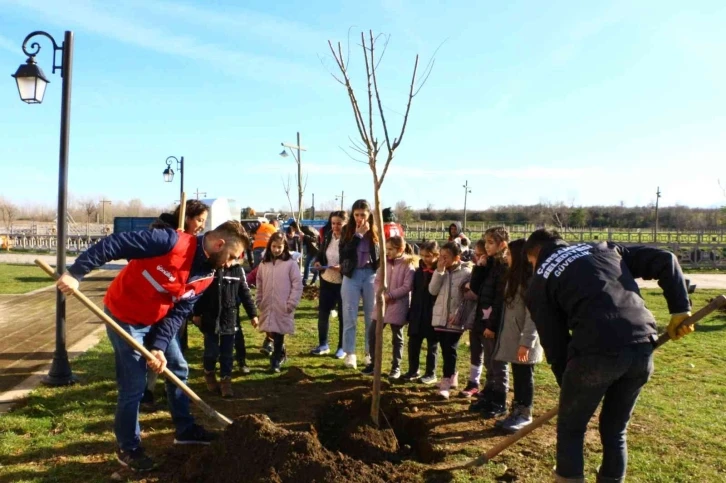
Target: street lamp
31	82
169	172
466	193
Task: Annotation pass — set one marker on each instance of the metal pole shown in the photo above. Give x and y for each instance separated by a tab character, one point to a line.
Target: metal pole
466	193
657	198
342	197
181	188
60	373
299	181
312	210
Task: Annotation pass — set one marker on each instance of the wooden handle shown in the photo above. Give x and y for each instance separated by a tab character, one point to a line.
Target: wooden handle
182	212
714	305
206	409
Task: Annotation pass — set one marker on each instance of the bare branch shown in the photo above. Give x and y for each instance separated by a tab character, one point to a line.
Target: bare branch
368	79
338	56
385	47
380	111
351	157
286	187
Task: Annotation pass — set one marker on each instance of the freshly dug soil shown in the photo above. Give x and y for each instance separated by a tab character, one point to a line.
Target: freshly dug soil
345	426
254	449
310	292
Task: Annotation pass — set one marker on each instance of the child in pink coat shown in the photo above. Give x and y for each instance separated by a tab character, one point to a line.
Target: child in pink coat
279	289
399	270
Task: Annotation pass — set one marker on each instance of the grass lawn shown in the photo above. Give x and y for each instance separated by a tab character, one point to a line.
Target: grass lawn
676	435
18	279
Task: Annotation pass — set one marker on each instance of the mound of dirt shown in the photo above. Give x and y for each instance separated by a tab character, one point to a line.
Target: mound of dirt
254	449
311	292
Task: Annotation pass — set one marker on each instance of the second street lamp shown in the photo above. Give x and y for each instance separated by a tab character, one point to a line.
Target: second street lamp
169	172
31	82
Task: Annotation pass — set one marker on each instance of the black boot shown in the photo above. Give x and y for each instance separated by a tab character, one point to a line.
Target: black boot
482	401
497	406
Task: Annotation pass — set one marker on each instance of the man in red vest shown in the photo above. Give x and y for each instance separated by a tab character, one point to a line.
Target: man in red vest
167	272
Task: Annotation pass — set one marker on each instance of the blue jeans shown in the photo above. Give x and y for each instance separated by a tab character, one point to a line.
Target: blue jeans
131	382
309	260
360	284
615	379
219	347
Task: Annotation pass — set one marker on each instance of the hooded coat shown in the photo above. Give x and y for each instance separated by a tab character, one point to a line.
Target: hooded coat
279	289
400	283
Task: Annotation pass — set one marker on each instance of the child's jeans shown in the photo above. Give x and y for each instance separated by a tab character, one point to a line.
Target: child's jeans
219	347
497	372
615	378
523	375
414	352
397	331
449	344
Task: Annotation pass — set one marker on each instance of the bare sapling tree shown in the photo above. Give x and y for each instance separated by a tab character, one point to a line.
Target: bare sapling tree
369	124
286	187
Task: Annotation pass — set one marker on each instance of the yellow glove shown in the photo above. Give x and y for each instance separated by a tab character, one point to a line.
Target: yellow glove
676	333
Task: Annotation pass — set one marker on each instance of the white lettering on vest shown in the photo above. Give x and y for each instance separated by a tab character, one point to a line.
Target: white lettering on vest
166	273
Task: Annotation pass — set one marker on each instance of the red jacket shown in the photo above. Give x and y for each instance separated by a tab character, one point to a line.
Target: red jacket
147	288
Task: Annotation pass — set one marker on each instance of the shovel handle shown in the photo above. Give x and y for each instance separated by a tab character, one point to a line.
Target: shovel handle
206	409
712	306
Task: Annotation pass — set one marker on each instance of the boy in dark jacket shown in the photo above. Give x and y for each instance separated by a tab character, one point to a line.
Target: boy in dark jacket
217	315
598	336
420	315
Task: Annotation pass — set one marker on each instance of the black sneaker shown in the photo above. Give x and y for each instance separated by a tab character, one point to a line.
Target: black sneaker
267	347
196	435
368	371
410	376
494	410
135	460
481	404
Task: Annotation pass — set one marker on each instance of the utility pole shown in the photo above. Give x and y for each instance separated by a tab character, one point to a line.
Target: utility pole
312	210
341	198
657	198
200	193
103	209
466	194
292	149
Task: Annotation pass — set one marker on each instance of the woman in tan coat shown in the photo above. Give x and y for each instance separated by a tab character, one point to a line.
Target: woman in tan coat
279	288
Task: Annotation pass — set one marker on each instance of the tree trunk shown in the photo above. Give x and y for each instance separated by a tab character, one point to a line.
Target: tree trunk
380	305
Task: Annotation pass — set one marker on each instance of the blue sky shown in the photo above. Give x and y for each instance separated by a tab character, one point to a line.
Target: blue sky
579	102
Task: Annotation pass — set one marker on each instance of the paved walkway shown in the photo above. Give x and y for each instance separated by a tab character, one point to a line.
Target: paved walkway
701	280
27	328
29	259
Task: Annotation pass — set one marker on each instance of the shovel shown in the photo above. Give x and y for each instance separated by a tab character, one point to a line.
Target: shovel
714	305
206	409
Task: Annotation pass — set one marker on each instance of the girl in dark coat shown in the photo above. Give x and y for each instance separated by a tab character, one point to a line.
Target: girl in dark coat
419	317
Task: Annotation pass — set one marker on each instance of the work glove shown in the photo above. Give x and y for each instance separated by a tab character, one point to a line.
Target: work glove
676	333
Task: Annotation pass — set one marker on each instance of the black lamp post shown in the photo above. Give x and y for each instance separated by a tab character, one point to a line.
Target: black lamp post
31	86
169	172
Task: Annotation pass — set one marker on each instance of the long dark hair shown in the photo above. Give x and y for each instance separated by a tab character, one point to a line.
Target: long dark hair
519	273
349	229
278	236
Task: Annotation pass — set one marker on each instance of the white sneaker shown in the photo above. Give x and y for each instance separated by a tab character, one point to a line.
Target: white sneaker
445	387
340	353
367	359
350	361
334	314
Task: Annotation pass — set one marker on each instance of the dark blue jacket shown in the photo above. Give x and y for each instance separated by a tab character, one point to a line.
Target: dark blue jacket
147	244
584	298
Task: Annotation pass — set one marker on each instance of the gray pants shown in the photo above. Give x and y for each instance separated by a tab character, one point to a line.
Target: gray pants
497	372
397	331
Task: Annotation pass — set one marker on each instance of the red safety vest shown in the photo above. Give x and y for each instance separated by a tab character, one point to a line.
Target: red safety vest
392	229
147	288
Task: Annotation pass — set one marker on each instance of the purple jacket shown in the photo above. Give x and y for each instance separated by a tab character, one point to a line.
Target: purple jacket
400	283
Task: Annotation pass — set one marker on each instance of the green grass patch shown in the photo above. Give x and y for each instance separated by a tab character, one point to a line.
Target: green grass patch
19	279
676	435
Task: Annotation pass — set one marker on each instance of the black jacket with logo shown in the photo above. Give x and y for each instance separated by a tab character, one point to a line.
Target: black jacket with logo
584	298
219	305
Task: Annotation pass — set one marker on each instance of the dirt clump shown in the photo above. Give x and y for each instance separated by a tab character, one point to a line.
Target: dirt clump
311	292
254	449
